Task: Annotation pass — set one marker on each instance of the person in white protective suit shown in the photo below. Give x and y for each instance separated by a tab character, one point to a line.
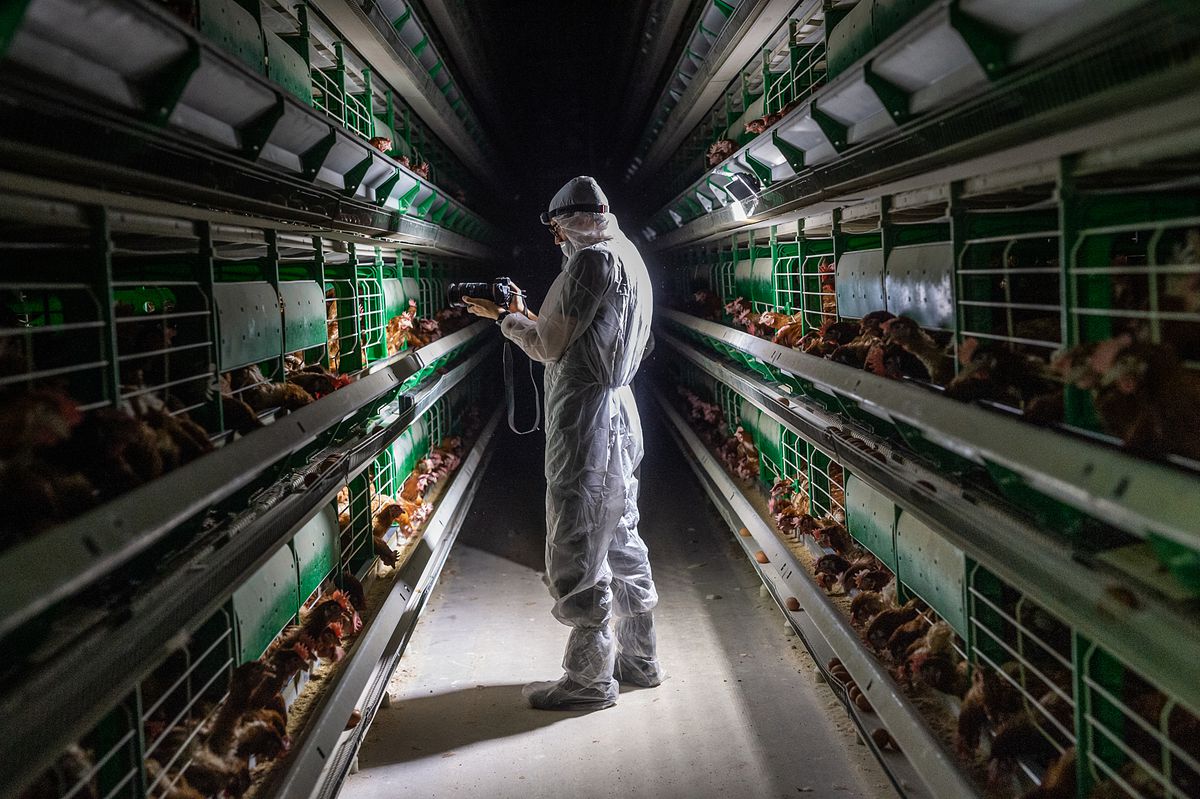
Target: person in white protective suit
592	333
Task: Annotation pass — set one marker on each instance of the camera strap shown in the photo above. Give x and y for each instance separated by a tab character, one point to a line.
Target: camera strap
509	394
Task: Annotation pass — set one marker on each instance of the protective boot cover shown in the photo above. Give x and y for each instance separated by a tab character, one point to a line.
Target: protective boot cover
592	333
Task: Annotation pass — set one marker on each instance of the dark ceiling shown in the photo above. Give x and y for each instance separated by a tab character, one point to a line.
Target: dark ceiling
557	74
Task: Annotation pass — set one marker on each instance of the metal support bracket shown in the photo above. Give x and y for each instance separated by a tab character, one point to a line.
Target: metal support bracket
314	157
385	188
990	45
895	99
793	154
255	133
354	178
834	130
162	91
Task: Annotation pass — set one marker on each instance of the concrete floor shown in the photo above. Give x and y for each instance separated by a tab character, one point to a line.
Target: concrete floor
741	714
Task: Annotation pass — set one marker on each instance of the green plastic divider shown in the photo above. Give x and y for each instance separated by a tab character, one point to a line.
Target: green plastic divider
316	545
250	323
304	320
233	29
287	67
933	568
265	603
871	519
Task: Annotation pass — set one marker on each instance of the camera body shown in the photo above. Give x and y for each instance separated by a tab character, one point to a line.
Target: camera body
498	291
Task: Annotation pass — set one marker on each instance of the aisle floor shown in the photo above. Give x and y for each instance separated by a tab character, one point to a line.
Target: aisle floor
741	714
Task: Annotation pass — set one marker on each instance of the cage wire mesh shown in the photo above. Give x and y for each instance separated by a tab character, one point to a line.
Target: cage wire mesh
1009	280
1139	742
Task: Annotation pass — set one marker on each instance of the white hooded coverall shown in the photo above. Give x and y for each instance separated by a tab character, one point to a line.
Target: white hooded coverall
592	333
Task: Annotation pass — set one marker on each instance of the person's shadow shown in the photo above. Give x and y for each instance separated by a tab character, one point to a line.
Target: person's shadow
427	726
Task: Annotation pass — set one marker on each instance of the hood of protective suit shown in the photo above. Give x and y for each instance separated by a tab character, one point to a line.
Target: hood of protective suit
582	228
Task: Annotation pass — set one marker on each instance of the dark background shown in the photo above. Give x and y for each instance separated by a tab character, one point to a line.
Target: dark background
558	74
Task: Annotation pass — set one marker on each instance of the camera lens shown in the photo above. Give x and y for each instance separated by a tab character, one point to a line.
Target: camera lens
456	291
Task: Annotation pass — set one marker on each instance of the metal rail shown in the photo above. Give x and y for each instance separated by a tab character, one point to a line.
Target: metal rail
58	563
1150	633
81	682
1135	495
320	760
931	762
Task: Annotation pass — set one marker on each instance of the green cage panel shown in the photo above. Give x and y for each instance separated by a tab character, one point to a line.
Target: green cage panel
1021	642
1009	280
860	284
871	519
250	323
234	29
768	438
316	548
287	67
1139	742
851	38
933	568
304	319
265	603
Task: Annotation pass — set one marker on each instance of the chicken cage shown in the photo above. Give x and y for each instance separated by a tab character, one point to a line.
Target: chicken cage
144	746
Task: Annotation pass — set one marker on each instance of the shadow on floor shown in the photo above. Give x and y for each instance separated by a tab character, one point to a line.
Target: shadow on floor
444	723
507	516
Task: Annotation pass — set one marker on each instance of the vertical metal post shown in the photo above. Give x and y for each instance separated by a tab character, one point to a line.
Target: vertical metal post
103	284
206	278
369	102
272	270
959	227
339	79
1077	403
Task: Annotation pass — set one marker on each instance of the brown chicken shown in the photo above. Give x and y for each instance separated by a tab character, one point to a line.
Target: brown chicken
1143	395
35	420
860	565
907	334
905	636
1018	738
874	580
866	606
888	621
870	336
71	768
718	151
114	451
263	735
253	388
704	304
244	683
1001	375
992	698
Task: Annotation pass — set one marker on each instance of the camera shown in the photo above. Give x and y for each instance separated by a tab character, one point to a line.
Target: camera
498	291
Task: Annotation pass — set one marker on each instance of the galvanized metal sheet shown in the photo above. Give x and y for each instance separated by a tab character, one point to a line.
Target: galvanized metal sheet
394	300
919	283
871	519
316	546
250	323
304	322
933	568
859	283
265	603
763	279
